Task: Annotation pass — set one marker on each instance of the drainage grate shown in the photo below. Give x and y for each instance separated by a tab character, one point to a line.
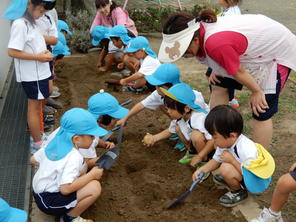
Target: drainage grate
14	147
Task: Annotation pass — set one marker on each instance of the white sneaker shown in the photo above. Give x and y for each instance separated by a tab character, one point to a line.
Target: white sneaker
266	216
80	219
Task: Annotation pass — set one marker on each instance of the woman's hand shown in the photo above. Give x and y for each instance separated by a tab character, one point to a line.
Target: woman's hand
213	79
258	102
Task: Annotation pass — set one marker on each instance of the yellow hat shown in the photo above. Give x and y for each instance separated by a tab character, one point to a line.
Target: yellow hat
264	165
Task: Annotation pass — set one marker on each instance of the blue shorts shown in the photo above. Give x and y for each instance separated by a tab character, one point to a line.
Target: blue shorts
55	204
293	174
37	89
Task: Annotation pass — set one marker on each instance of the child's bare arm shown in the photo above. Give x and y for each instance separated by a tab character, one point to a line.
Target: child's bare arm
91	162
44	56
135	110
34	162
227	157
101	57
94	174
105	144
293	167
149	139
50	40
133	77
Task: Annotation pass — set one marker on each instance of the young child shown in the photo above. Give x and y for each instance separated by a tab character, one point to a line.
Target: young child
188	123
234	150
59	188
120	38
285	186
31	58
8	213
140	49
230	7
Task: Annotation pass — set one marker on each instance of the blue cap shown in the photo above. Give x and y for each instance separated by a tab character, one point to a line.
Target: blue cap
139	43
121	32
62	25
183	93
99	33
105	104
253	183
63	40
60	49
10	214
75	121
165	73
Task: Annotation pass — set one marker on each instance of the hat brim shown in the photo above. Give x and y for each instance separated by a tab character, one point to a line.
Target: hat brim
69	32
120	113
17	215
253	183
131	50
153	81
95	43
192	106
98	131
266	170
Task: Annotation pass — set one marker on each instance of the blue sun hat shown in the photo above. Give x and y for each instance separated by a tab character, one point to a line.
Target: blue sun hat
121	32
105	104
60	49
165	73
139	43
76	121
62	25
63	40
10	214
17	9
99	33
183	93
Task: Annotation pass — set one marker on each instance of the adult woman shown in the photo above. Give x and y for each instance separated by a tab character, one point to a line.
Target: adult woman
247	50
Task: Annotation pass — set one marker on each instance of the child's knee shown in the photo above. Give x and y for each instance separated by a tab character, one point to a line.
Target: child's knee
226	170
95	188
286	183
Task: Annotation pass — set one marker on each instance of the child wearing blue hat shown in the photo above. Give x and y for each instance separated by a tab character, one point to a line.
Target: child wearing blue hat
140	49
188	122
244	165
10	214
58	187
31	58
284	187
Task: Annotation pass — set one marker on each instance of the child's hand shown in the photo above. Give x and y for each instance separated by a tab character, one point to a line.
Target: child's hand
227	157
123	82
120	65
109	145
148	140
121	122
195	160
103	69
44	56
293	167
196	174
96	173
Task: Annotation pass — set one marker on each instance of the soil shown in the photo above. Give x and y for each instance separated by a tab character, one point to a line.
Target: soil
145	180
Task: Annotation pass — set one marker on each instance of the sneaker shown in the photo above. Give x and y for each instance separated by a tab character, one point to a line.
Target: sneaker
267	216
174	136
187	158
48	110
55	93
233	198
54	104
179	146
132	89
80	219
233	103
219	180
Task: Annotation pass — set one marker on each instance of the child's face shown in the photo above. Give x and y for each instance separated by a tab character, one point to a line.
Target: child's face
140	54
193	48
223	3
36	11
174	114
105	10
83	141
118	43
222	142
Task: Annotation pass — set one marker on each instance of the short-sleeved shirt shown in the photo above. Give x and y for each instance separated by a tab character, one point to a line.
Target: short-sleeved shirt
195	122
46	26
244	150
52	174
149	65
26	37
234	10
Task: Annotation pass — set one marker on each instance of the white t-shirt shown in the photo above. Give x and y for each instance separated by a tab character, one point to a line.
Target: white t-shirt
149	65
27	38
234	10
195	122
46	26
52	174
113	49
153	101
244	150
86	153
53	13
